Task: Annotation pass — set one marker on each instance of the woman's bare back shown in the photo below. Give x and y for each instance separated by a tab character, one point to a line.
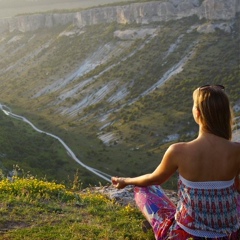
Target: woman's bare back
209	158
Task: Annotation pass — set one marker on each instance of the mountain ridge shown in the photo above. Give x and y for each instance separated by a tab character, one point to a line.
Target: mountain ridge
140	13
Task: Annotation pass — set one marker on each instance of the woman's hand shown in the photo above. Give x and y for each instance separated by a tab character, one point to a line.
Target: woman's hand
119	182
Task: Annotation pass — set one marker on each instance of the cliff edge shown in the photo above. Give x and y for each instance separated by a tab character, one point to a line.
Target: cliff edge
141	13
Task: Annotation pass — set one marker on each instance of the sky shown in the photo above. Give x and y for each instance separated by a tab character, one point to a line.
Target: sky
10	8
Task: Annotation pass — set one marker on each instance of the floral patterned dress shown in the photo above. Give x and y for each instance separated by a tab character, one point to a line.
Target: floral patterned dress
185	221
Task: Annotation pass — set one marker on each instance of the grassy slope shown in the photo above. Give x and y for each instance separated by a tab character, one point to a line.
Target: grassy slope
58	213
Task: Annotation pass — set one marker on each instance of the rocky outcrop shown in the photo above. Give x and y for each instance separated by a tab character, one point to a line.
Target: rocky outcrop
141	13
219	9
126	196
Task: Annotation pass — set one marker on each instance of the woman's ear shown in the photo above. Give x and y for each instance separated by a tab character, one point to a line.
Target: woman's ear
196	114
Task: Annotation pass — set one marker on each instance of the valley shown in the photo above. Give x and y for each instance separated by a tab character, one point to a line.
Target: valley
117	94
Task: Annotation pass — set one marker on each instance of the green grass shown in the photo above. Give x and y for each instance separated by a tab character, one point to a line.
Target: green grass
36	209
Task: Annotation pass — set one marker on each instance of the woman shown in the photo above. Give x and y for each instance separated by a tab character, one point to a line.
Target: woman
208	168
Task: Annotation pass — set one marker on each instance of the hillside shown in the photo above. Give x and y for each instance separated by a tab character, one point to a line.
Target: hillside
117	93
36	209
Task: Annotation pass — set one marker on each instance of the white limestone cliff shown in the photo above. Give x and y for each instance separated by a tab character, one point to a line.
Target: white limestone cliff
132	13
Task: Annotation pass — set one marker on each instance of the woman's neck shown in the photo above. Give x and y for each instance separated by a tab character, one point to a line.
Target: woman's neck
203	133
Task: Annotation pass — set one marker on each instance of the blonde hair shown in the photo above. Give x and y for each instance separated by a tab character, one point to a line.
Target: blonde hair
215	111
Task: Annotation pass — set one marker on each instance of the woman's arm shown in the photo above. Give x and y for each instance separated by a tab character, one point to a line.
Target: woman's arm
162	173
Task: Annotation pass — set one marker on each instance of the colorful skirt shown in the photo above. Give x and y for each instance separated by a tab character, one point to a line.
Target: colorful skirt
159	211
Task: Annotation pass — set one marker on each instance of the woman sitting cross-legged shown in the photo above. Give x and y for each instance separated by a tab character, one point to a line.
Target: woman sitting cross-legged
208	184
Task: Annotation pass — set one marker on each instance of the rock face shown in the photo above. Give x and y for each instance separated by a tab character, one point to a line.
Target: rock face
133	13
34	22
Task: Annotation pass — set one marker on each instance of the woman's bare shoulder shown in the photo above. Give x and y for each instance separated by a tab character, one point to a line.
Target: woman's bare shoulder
183	149
179	147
